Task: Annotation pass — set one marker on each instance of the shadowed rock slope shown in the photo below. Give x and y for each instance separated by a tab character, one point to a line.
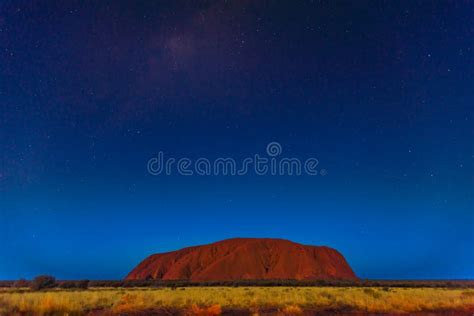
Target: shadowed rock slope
246	259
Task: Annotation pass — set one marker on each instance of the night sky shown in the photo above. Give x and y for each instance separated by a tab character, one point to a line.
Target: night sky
381	93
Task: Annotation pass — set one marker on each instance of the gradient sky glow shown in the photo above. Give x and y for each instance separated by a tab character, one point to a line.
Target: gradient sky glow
380	93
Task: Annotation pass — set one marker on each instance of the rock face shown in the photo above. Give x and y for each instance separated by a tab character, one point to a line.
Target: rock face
246	259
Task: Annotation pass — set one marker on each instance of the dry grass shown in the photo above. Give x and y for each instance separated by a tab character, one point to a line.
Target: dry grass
212	300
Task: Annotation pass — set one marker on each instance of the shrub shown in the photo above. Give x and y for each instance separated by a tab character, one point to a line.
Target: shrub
67	284
21	283
82	284
372	292
43	282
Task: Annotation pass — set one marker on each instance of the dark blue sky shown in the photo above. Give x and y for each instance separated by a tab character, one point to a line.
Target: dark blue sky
381	93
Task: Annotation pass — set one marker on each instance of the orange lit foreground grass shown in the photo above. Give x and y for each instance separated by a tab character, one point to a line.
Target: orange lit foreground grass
217	300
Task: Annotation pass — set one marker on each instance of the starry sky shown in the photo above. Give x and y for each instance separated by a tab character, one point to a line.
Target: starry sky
381	93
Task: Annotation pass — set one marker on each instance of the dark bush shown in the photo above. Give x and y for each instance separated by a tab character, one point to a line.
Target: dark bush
321	283
67	284
6	283
82	284
43	282
21	283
